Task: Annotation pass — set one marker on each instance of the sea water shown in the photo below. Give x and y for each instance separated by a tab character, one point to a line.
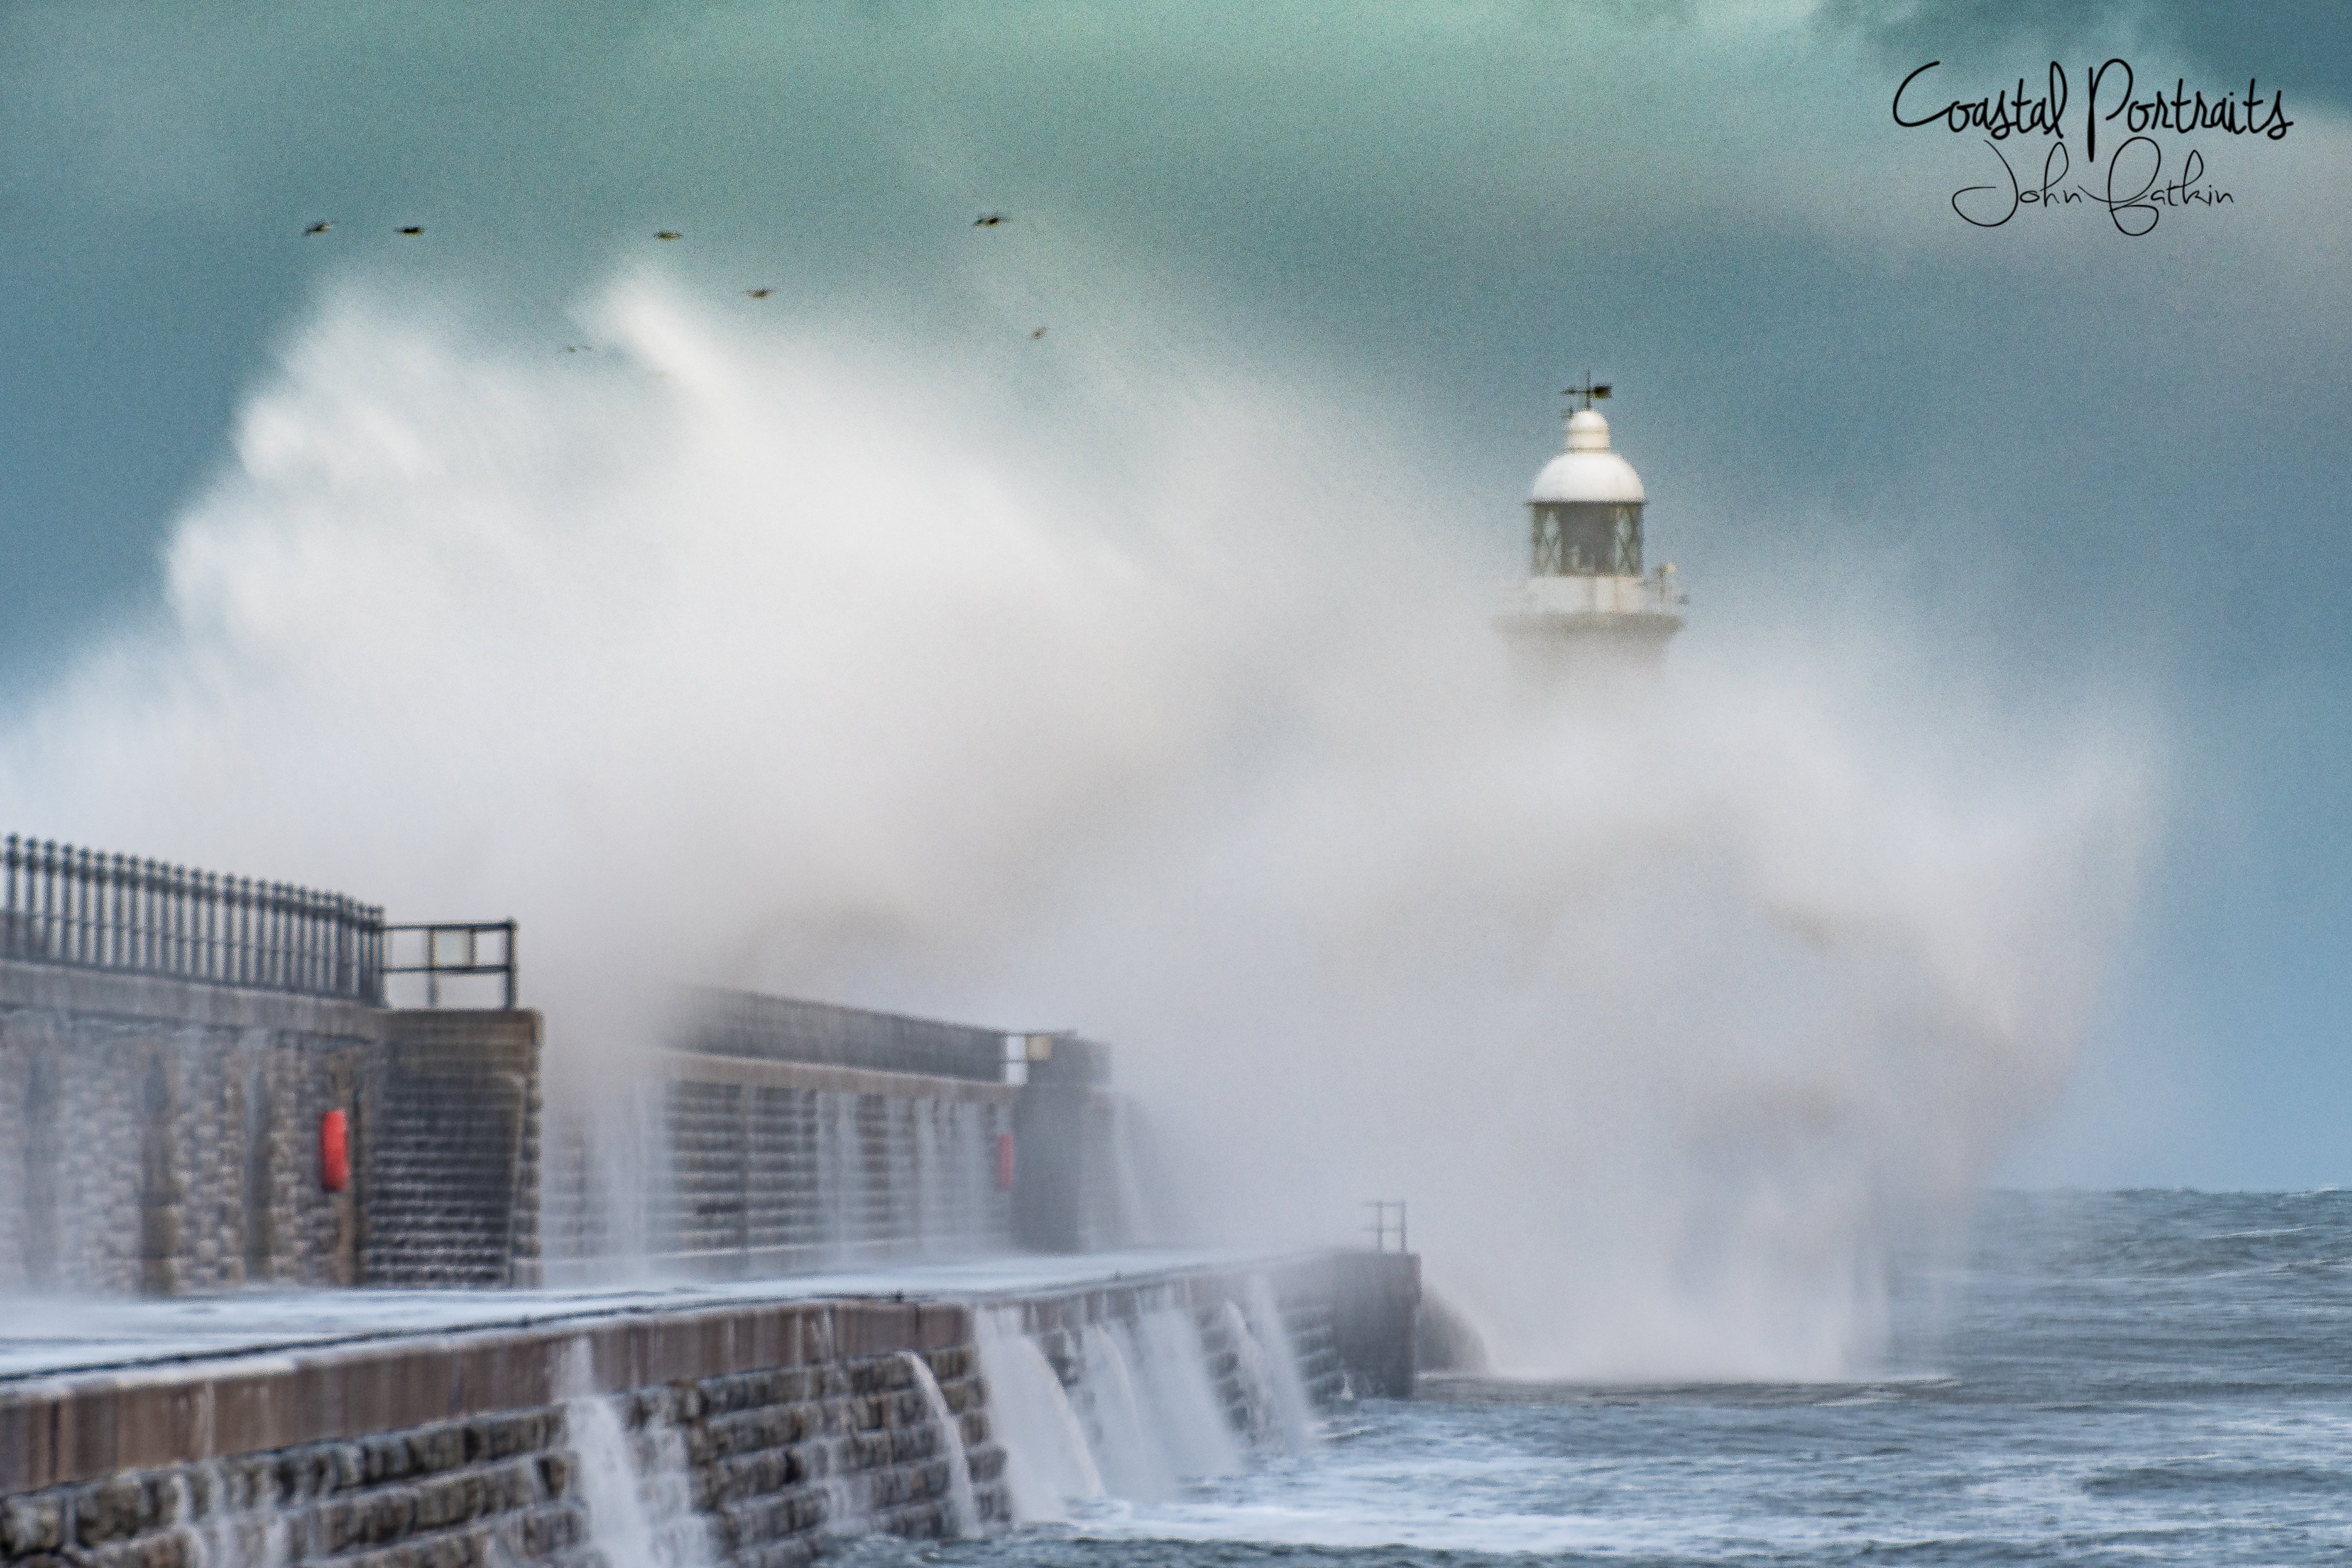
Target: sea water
2143	1378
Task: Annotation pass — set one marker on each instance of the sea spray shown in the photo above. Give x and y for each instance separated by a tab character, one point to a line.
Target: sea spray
841	1163
929	1192
1173	1366
964	1509
1047	1461
1259	1411
1126	1444
612	1144
1141	1413
1679	1020
1294	1412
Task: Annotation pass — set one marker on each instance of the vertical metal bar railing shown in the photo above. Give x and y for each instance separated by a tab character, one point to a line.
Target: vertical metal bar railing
64	904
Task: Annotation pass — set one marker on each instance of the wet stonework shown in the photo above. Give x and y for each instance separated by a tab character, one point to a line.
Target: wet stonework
767	1463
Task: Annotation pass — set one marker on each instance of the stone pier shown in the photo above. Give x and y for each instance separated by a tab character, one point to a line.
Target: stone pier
779	1421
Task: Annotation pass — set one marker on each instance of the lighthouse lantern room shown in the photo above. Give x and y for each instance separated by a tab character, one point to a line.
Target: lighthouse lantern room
1586	607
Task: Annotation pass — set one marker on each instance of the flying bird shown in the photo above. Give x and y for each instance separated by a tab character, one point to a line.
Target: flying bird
1038	333
987	220
321	227
573	349
414	229
665	234
758	293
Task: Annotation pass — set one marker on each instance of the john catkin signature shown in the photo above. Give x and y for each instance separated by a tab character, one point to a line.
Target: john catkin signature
2135	211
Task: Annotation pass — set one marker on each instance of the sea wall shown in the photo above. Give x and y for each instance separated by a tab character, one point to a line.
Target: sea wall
160	1135
165	1136
749	1466
1377	1304
756	1168
774	1136
782	1166
733	1436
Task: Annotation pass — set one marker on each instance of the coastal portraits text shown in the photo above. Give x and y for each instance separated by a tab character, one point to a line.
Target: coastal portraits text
2138	181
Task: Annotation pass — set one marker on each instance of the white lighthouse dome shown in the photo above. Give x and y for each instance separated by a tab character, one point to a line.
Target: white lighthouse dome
1588	470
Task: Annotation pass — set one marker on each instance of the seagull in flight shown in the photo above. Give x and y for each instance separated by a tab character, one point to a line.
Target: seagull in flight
412	230
758	293
989	220
665	234
321	227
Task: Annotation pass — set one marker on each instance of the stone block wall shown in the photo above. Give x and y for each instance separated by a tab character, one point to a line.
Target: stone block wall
765	1167
162	1136
747	1469
739	1435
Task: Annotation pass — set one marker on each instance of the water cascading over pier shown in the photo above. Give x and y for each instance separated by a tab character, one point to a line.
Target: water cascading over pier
739	1435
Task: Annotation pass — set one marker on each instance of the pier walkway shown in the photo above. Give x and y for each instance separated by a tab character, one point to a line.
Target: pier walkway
49	1337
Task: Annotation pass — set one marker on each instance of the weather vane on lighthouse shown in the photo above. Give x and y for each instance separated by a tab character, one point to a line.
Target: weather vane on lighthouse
1586	608
1588	391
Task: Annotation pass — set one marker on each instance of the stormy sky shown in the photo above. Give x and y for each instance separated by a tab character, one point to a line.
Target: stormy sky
2108	471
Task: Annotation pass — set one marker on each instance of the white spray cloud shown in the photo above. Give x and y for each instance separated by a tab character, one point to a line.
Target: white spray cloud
920	674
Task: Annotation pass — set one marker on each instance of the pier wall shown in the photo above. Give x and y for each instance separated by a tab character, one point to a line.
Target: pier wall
761	1167
784	1165
775	1136
164	1136
1375	1319
756	1429
766	1427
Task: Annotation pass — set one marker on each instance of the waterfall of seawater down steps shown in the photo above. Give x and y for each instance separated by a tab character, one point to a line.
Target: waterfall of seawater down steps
639	1499
1135	1407
1048	1461
963	1508
228	1518
1294	1411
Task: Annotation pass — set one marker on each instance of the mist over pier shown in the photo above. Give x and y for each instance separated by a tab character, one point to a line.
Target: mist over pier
810	1271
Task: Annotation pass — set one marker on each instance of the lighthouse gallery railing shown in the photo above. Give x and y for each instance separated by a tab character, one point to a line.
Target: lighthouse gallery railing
62	904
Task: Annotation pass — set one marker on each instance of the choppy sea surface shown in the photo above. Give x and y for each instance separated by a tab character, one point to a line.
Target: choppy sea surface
2138	1377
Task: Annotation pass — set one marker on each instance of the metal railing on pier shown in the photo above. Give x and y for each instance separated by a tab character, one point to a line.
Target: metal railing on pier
718	1022
63	904
463	950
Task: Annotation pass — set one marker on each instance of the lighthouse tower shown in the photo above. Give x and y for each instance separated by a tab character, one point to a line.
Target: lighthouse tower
1586	612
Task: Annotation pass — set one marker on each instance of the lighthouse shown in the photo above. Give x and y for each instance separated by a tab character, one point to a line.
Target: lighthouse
1587	614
